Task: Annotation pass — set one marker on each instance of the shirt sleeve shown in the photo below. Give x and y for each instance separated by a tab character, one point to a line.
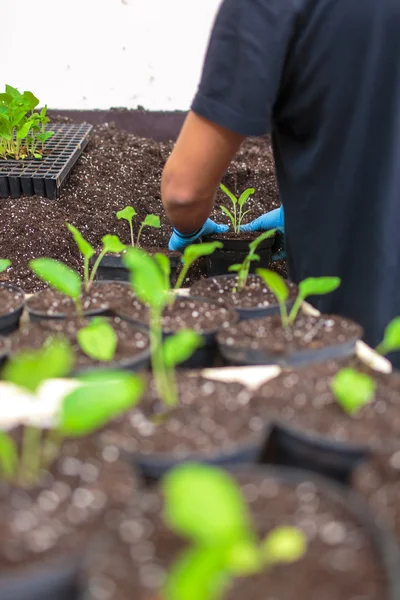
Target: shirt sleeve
244	64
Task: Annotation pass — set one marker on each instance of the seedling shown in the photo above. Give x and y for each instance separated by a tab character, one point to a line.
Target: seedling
4	264
312	286
98	340
391	339
353	390
152	288
243	269
150	221
204	505
237	215
193	253
22	131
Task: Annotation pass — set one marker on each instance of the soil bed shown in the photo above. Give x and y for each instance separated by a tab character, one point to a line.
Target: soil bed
254	295
340	561
10	300
131	341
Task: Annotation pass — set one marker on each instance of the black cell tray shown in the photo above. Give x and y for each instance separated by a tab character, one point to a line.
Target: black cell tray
44	177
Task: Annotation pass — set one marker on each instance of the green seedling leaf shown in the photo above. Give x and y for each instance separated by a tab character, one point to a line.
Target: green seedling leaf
275	283
264	236
152	221
126	213
4	264
29	369
353	390
31	100
231	196
24	130
391	339
12	92
98	340
8	455
112	243
318	286
204	504
165	267
235	268
228	213
103	397
284	545
58	276
43	137
245	196
37	155
84	247
195	251
180	347
147	280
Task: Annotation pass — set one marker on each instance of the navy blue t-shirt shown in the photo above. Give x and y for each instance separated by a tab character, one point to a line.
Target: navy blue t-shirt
323	76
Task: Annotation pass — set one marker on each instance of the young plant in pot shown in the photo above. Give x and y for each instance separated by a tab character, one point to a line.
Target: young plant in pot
292	338
55	486
235	242
12	302
247	292
69	295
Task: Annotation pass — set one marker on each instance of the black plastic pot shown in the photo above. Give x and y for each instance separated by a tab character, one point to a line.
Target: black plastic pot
112	269
10	321
234	252
135	364
5	351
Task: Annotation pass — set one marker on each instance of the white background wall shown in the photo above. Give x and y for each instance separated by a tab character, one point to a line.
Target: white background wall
103	53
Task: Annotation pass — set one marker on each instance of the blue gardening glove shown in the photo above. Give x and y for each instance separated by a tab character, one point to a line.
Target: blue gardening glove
179	241
275	219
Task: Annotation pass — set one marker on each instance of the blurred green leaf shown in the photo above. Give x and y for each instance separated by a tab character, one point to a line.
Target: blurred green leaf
353	390
318	286
112	243
8	455
4	264
84	247
98	340
181	346
127	213
152	221
57	275
391	339
231	196
284	545
275	283
146	277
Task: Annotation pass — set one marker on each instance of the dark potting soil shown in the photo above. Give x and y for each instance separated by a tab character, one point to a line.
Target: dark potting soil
185	313
340	561
10	300
102	296
242	235
131	341
55	519
116	170
255	295
307	331
211	417
303	399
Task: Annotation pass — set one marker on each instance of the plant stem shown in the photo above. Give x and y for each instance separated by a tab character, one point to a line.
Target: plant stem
50	448
86	272
295	309
131	230
139	234
235	219
30	455
284	315
95	267
381	349
79	308
165	387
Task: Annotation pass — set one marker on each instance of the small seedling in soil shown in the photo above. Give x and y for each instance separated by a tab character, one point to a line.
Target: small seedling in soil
98	340
151	285
243	269
391	339
353	390
204	504
312	286
237	215
150	221
99	398
193	253
22	131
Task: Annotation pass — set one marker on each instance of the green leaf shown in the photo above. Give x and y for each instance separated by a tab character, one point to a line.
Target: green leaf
180	346
146	277
103	397
8	455
318	286
98	340
23	132
195	251
152	221
264	236
228	213
30	368
353	390
284	545
84	247
275	283
43	112
204	504
165	266
391	339
235	268
13	92
228	193
6	98
37	155
112	243
43	137
4	264
57	275
245	196
30	100
126	213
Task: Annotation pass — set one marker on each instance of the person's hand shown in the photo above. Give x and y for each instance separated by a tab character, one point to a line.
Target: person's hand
179	241
275	219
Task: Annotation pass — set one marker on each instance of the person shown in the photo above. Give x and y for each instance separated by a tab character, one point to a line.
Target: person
323	77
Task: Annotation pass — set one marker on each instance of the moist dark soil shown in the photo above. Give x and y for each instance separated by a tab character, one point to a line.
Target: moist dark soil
340	561
103	296
198	314
242	235
307	332
131	341
303	400
10	300
255	295
56	519
116	170
211	417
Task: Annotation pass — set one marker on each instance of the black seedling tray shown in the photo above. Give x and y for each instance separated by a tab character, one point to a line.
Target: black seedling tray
44	177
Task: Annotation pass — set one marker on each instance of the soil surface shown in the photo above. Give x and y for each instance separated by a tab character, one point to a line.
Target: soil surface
199	315
56	519
340	561
307	332
255	295
131	341
10	299
242	235
303	399
103	296
116	170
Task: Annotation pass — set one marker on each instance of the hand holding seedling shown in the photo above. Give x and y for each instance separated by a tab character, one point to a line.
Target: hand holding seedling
150	221
179	241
